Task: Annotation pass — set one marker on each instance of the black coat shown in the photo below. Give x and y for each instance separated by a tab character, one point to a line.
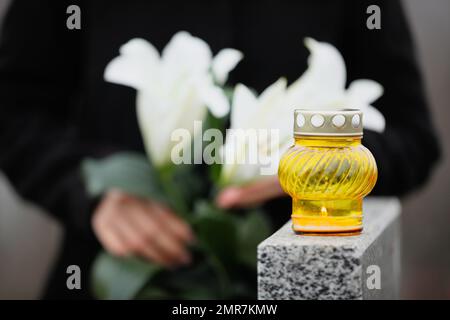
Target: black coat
56	108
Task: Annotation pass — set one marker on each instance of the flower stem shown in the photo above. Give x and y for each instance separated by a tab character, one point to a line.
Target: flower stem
175	200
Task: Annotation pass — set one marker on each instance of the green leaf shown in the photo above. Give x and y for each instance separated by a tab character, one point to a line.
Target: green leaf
153	293
216	230
229	91
211	122
197	281
253	229
127	171
120	278
183	184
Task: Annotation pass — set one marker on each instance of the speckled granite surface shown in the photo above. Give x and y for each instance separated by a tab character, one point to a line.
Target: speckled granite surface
292	266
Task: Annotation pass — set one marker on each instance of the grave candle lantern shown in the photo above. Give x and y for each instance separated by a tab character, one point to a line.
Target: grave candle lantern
327	172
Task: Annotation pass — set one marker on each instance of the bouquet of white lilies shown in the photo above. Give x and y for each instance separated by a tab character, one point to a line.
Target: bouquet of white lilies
176	89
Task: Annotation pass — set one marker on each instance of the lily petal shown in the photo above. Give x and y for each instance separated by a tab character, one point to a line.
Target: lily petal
138	47
272	104
153	122
323	81
187	54
136	67
215	99
244	106
272	93
373	119
364	90
225	61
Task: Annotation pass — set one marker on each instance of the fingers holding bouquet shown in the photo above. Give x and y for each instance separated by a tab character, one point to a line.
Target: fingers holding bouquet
126	225
251	194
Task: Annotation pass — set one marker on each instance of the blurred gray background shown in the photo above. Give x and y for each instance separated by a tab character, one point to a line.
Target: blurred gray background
426	214
29	239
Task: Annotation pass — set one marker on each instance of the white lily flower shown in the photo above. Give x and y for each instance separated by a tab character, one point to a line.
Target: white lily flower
322	86
173	89
267	112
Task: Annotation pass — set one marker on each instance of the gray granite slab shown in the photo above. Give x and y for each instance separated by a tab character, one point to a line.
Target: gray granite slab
294	266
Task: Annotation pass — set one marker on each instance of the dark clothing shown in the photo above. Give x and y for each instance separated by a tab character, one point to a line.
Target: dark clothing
56	107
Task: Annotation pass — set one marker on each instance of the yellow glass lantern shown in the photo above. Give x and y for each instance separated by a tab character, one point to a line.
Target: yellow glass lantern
327	172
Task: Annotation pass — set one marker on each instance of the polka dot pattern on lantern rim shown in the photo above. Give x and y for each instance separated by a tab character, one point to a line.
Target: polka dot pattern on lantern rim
356	120
338	120
300	120
317	120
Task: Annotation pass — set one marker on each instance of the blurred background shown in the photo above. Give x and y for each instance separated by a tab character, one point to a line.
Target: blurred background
29	239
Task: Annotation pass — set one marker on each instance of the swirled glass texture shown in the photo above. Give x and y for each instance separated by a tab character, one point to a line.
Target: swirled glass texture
327	178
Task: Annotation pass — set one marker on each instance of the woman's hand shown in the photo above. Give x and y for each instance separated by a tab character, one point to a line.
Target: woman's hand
126	225
251	194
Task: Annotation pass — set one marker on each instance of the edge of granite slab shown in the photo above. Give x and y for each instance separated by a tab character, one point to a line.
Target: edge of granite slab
321	267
